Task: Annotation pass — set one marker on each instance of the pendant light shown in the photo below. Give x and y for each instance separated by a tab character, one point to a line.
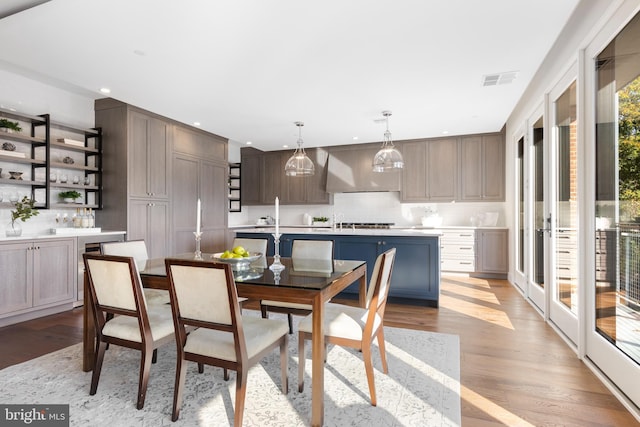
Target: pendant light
299	164
388	159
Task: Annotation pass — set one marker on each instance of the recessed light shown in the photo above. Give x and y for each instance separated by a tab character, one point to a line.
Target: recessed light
285	146
444	132
105	90
196	123
249	142
355	138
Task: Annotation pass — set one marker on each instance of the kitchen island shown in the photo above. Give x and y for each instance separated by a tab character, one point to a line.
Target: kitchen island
416	272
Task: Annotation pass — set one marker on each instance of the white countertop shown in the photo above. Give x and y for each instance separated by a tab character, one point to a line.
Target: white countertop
26	236
344	231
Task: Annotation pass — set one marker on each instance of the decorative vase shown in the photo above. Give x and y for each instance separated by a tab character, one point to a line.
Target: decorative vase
14	229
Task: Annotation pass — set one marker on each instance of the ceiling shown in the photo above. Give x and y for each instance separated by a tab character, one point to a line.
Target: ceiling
248	69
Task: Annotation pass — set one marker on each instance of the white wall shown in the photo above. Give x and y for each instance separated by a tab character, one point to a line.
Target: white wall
32	97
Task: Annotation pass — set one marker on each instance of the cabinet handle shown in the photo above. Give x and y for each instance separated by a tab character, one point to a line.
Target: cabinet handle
466	235
465	263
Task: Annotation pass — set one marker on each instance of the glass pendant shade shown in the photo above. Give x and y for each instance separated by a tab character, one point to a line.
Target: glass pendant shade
299	164
388	158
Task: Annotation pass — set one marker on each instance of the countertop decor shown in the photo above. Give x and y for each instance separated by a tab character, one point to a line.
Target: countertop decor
23	211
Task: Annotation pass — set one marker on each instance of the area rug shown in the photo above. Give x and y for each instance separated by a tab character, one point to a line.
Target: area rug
422	388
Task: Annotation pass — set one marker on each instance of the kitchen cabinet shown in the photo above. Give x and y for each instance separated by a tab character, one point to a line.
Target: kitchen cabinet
207	181
251	176
416	271
149	196
458	250
263	179
149	156
482	168
479	252
37	275
149	221
430	172
492	247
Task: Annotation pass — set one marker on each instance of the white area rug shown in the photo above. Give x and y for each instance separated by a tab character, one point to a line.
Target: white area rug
422	388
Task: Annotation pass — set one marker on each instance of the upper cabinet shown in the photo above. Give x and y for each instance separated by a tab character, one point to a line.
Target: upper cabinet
464	169
263	178
149	153
430	170
482	168
45	158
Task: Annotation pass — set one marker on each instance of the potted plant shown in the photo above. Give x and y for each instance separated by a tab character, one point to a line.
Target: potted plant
23	211
320	220
9	126
69	196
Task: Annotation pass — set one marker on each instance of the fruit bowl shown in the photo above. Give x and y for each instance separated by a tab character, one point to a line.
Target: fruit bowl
238	264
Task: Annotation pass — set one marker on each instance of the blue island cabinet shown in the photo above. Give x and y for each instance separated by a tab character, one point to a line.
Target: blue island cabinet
416	271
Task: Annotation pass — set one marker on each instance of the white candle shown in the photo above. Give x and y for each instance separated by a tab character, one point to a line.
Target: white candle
277	216
198	217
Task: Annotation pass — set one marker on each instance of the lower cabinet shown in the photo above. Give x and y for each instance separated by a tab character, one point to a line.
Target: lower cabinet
149	221
416	271
37	275
479	252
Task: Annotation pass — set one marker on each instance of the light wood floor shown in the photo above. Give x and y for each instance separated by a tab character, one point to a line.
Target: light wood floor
515	369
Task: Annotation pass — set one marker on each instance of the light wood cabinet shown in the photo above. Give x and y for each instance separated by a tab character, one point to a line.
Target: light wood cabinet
430	173
149	221
251	176
263	178
204	180
482	168
149	196
149	156
492	247
37	275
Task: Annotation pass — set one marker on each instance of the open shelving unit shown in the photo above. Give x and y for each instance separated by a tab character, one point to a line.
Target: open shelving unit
235	203
45	155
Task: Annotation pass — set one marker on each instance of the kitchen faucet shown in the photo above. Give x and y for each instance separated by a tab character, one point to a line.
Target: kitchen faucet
336	217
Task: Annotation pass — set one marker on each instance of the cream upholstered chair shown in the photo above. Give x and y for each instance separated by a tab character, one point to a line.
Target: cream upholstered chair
122	315
204	295
138	250
356	327
254	245
306	255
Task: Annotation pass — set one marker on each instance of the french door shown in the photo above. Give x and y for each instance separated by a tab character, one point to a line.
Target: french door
613	298
562	256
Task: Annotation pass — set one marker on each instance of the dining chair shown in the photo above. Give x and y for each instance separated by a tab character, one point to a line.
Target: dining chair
254	245
204	295
138	250
355	327
306	255
122	315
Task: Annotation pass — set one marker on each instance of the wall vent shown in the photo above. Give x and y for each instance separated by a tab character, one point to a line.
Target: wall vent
499	78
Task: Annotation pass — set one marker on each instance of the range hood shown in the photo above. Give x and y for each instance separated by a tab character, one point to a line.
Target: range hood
349	171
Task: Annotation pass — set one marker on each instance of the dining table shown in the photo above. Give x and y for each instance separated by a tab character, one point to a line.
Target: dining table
296	283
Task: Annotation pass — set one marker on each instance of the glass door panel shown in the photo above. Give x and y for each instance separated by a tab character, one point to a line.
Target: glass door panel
563	250
614	342
536	291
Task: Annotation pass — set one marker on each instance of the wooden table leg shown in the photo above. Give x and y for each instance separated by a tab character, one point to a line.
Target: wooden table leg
317	362
88	333
362	289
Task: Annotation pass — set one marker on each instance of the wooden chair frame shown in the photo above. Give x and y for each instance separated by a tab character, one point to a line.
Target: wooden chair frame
376	305
242	363
102	314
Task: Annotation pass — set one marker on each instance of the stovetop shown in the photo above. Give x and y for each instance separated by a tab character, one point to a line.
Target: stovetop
374	225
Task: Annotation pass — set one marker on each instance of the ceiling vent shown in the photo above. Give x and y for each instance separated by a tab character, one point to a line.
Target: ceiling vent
499	78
